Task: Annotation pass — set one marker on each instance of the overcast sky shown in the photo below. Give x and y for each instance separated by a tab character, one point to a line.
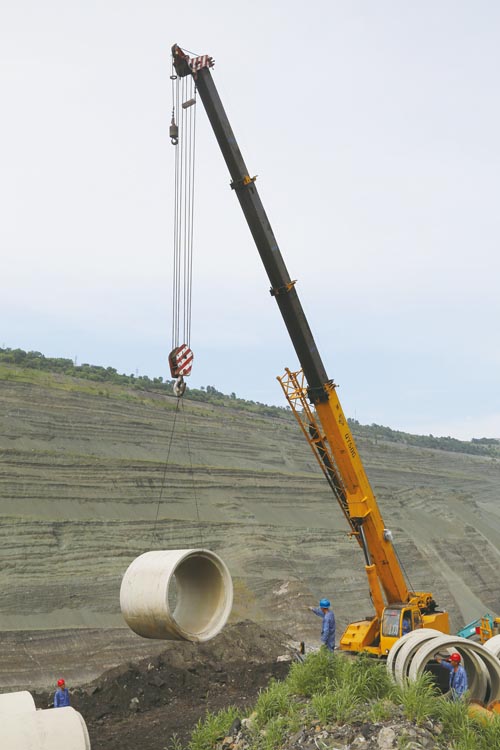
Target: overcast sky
374	131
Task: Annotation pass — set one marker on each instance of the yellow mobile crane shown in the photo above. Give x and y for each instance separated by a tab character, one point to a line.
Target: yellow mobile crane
313	398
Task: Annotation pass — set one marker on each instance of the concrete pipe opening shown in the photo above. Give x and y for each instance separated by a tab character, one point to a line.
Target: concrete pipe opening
16	703
177	595
51	729
482	667
407	642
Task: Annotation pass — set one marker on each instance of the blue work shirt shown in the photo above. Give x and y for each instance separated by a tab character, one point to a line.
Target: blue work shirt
328	629
61	697
458	679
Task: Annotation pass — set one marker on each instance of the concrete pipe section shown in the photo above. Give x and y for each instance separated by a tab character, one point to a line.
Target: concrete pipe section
16	703
398	659
493	645
482	667
50	729
179	595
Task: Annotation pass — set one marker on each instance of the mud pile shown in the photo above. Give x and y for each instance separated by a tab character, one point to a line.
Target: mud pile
144	703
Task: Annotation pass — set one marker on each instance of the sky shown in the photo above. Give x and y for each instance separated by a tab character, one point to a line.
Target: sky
373	129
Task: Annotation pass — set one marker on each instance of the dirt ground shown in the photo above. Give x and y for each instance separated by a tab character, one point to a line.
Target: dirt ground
142	705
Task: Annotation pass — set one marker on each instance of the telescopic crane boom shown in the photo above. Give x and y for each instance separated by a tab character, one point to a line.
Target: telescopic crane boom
329	435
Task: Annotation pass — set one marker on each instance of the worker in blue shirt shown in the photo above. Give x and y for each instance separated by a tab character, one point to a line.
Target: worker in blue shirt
406	627
328	629
61	696
458	675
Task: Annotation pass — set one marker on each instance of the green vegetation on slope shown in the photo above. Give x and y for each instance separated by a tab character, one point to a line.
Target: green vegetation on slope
327	692
30	362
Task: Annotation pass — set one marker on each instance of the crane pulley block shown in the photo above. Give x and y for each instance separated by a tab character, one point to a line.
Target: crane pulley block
180	361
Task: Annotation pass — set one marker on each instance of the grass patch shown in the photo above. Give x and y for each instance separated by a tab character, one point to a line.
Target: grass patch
335	689
418	699
212	728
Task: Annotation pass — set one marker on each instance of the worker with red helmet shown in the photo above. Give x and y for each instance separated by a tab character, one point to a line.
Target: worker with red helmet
61	696
458	675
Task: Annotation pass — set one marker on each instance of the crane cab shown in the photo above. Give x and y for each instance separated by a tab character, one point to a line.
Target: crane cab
378	637
398	620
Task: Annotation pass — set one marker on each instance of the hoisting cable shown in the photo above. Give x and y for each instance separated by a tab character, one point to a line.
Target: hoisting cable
183	137
162	486
412	590
200	528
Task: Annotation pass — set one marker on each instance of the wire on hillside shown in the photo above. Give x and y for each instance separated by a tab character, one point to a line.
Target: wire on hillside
165	469
200	528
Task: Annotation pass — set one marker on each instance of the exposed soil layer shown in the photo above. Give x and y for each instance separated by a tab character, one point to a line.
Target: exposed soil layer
85	487
143	704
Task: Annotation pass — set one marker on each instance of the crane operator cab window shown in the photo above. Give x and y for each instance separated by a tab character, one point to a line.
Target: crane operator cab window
397	622
406	624
390	622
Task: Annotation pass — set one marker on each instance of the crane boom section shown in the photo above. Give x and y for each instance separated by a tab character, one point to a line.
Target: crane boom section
359	500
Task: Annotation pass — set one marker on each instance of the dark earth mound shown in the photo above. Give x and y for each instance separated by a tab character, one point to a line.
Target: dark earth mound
143	704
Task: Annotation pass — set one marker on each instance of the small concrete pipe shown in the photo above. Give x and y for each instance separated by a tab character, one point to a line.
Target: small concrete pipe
51	729
16	703
179	595
482	667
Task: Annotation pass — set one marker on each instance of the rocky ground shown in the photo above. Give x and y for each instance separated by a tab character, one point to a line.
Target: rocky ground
389	735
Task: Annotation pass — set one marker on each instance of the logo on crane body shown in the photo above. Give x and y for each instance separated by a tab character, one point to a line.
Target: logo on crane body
180	361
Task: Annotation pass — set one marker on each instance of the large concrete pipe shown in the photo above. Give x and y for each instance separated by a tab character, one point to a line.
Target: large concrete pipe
16	703
184	594
409	642
477	672
51	729
482	667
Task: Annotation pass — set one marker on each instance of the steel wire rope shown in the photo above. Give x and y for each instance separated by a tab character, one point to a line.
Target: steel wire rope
183	91
190	226
185	154
177	226
198	519
165	468
412	590
187	129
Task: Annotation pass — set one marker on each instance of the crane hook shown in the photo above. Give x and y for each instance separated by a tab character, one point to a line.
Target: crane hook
179	387
174	133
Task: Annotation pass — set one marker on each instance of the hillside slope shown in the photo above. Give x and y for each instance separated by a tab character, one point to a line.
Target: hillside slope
92	475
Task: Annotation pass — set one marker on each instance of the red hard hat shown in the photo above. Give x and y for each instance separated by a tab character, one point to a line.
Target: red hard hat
60	683
455	657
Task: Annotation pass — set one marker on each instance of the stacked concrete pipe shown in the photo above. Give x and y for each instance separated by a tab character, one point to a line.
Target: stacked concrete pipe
493	645
22	727
16	703
415	653
177	595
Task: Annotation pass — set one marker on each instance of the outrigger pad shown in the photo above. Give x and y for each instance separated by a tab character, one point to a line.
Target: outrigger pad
180	360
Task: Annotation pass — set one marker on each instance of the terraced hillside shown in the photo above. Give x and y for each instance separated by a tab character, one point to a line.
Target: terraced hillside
92	475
